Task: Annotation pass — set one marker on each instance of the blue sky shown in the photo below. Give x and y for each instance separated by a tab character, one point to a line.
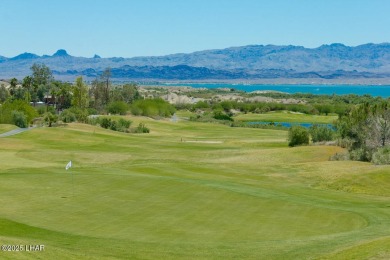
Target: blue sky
129	28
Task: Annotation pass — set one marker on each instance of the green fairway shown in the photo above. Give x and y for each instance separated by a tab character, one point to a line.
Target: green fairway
286	116
188	190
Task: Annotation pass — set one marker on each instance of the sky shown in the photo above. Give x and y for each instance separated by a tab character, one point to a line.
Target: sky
129	28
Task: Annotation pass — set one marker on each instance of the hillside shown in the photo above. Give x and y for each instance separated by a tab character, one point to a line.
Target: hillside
335	61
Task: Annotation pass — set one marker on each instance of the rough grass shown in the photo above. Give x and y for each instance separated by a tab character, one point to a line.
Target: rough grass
6	127
229	193
286	116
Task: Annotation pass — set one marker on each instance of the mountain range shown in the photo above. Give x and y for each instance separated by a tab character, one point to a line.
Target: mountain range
252	62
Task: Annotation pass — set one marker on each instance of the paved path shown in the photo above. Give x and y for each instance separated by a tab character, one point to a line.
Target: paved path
15	131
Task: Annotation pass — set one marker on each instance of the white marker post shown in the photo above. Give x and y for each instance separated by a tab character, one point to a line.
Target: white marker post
67	167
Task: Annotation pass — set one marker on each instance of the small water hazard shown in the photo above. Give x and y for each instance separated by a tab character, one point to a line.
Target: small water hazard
289	124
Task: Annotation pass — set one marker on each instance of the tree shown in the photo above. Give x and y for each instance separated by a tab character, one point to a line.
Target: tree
365	130
97	93
105	77
41	74
379	126
27	86
130	93
4	94
41	77
12	88
80	94
324	109
64	96
27	82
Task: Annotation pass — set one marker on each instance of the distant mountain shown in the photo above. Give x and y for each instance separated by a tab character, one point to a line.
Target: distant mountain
61	53
334	61
25	56
2	58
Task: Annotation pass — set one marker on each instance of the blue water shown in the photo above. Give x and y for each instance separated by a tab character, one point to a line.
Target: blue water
288	125
376	90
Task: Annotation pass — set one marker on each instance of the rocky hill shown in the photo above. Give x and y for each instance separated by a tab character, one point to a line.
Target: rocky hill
335	61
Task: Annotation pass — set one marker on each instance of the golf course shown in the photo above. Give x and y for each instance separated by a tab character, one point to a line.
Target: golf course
187	190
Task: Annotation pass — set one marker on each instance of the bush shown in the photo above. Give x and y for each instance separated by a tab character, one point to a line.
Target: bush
67	116
117	107
121	125
50	118
222	116
92	111
298	135
360	154
93	120
152	108
382	156
105	122
19	119
43	109
7	109
339	157
81	114
141	128
124	123
321	133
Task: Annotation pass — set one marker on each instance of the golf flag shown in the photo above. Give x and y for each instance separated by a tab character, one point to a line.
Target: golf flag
68	165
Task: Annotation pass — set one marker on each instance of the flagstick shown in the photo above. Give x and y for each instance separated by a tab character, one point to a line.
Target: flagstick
72	184
67	167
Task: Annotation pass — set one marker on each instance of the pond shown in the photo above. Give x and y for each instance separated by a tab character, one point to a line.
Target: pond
288	124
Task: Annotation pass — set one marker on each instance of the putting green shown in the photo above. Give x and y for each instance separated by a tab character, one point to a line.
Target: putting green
186	190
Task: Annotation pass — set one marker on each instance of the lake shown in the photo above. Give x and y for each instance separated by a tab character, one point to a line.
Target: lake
374	90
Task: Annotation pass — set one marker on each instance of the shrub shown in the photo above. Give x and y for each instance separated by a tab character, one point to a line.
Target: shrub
105	122
41	110
67	116
201	105
19	119
81	114
6	111
382	156
121	125
141	128
344	142
152	108
114	126
117	107
360	154
135	110
222	116
92	111
50	118
93	120
298	135
339	157
321	133
124	123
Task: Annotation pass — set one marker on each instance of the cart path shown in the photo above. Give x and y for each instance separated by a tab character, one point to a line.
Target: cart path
15	131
